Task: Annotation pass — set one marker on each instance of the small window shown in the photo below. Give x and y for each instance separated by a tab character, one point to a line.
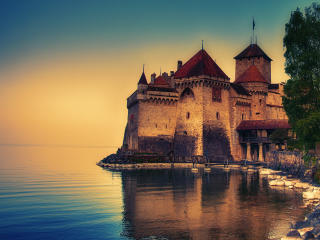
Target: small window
242	116
216	94
156	125
188	115
257	113
218	116
260	101
185	133
166	126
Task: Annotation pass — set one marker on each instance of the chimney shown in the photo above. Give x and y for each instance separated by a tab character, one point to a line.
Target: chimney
179	64
153	77
165	75
171	73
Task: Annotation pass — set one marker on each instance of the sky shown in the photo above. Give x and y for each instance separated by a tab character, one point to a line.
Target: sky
67	67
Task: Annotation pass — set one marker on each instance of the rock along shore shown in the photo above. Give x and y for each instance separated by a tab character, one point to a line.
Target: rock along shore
310	227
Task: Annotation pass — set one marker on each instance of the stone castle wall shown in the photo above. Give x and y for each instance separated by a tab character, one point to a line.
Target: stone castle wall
239	109
258	99
275	108
157	117
131	132
216	125
190	117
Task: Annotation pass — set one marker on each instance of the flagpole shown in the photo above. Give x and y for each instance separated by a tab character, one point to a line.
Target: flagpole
253	26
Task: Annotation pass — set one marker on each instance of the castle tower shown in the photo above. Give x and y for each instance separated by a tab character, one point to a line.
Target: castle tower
202	112
142	84
253	55
257	86
151	116
130	140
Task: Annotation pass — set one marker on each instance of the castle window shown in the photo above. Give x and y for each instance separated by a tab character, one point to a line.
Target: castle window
156	125
260	101
187	93
188	115
185	133
216	94
131	118
242	116
257	113
218	116
166	126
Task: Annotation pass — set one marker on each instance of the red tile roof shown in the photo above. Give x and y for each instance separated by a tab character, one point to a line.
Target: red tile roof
252	74
143	79
200	64
263	124
253	50
160	81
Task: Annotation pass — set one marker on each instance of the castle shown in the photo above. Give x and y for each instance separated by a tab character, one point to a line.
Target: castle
197	111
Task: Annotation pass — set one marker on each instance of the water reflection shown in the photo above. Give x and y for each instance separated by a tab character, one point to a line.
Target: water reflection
177	204
55	193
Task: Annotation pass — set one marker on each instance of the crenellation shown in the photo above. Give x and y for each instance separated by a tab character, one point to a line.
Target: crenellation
198	111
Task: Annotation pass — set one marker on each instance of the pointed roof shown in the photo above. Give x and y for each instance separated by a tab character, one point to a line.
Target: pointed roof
253	50
252	74
200	64
143	79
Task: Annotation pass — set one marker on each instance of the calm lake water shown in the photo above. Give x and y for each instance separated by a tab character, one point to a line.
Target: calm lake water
59	193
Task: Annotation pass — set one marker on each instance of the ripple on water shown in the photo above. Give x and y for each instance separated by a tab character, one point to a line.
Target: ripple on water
92	203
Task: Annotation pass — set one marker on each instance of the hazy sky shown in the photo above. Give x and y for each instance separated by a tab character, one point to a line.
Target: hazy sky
67	67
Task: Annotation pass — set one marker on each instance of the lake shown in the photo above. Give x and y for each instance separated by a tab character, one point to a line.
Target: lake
59	193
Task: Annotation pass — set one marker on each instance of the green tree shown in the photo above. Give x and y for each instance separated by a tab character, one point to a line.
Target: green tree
279	136
302	90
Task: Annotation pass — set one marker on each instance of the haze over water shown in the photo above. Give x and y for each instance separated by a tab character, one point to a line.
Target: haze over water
59	193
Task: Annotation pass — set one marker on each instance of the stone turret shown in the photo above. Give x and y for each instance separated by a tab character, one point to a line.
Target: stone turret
142	84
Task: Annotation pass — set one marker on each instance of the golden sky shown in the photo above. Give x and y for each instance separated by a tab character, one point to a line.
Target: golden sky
65	72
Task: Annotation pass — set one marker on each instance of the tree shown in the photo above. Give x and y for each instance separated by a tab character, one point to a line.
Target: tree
302	91
279	136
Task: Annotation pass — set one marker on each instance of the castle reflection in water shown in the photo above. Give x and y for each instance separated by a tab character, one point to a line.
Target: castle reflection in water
177	204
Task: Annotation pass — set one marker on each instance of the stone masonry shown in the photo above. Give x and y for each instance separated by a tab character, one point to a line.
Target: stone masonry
197	111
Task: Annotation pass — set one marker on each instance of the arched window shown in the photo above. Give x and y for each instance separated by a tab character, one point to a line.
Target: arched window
187	93
188	115
218	116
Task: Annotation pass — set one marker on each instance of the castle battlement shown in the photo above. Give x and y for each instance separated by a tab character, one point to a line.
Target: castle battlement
197	111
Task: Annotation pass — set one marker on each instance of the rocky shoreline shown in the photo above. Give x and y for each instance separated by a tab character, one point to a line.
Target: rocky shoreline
310	227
